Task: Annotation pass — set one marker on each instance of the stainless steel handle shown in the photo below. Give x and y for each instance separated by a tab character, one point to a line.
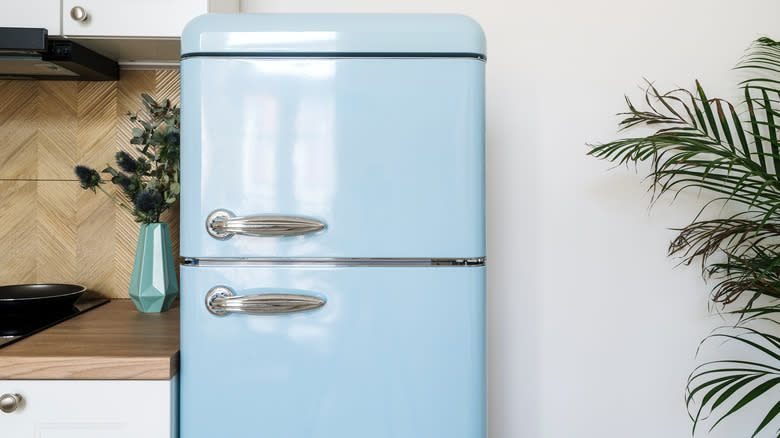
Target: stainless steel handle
222	224
221	300
79	14
10	402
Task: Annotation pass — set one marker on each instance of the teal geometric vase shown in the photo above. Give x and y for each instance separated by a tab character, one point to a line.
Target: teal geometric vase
153	285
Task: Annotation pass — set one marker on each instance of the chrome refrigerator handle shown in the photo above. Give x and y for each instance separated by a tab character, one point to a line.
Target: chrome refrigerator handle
222	224
221	300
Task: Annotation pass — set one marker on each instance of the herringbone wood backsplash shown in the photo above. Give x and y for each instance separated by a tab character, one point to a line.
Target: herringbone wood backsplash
50	229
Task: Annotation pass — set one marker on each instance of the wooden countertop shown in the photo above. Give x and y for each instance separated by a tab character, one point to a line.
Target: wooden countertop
111	342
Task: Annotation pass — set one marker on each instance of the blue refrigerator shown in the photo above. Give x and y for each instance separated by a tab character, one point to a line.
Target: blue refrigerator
332	221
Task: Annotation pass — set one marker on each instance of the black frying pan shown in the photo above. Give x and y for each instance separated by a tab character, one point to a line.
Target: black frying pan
24	305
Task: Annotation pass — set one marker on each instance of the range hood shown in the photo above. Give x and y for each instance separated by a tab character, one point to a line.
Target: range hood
29	53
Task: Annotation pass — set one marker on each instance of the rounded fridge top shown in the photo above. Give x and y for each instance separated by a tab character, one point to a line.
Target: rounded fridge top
336	34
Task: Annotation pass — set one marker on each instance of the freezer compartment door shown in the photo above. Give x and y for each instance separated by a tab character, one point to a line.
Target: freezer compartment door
332	157
390	353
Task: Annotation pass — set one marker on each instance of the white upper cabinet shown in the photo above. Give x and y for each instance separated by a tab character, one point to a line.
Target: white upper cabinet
141	32
31	13
136	18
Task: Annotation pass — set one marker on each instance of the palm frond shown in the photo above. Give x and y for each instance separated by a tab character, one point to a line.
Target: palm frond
762	312
723	387
755	271
752	253
688	149
702	144
702	239
731	152
763	61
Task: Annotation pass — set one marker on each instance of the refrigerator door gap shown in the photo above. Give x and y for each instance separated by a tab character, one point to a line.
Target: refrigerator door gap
382	55
335	262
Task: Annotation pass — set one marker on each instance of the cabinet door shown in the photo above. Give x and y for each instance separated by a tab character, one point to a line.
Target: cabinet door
31	13
91	409
139	18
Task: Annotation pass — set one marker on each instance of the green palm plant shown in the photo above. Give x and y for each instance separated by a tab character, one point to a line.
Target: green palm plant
732	152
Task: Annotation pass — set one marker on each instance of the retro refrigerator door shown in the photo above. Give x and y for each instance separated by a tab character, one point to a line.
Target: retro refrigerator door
342	157
391	353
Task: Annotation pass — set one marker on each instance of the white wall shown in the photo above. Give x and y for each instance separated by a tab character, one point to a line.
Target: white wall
592	330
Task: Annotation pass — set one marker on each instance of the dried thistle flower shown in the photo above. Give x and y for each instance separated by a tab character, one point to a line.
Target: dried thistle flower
150	183
146	202
126	162
89	178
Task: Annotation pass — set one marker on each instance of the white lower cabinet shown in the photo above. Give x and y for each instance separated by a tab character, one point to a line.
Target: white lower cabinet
90	409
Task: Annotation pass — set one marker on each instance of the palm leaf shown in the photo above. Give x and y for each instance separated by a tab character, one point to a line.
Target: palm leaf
703	144
694	149
751	262
753	313
756	270
768	418
754	393
763	61
733	384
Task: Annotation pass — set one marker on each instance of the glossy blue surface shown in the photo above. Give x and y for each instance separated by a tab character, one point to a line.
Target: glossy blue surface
394	353
388	153
332	33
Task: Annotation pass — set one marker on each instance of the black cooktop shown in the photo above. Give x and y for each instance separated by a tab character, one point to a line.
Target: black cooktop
13	329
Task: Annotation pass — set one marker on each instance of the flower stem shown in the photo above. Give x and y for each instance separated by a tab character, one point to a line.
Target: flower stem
116	200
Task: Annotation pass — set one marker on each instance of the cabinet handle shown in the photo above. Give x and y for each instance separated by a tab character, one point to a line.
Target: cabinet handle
221	300
79	14
10	402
